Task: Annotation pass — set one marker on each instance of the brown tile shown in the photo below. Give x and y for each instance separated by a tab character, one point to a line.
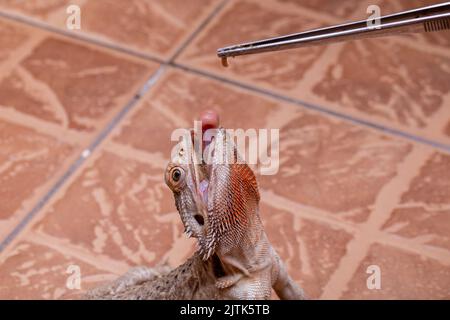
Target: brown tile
33	271
432	186
118	208
179	98
349	10
341	9
50	88
246	20
72	85
11	37
28	160
369	79
403	276
320	159
153	27
394	6
311	250
424	212
323	161
156	27
148	129
374	78
37	9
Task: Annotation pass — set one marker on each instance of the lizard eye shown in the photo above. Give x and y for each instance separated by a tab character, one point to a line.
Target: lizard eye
176	175
175	178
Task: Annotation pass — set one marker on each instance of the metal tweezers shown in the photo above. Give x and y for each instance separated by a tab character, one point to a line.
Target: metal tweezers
431	18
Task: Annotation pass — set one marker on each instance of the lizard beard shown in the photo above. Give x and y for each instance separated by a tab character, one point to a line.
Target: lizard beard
232	201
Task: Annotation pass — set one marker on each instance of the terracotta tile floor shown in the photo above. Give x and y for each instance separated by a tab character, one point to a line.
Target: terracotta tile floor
86	118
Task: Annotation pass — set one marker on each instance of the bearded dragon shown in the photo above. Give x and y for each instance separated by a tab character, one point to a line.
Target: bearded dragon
218	205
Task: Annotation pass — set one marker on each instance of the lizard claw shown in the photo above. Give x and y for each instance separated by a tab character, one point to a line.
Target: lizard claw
228	281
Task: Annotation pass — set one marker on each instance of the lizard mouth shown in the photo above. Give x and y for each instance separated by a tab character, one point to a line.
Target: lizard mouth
202	188
199	217
195	217
203	191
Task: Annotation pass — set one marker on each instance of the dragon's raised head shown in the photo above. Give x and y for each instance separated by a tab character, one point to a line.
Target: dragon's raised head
216	197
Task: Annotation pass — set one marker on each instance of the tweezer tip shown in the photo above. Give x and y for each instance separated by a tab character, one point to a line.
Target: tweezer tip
221	53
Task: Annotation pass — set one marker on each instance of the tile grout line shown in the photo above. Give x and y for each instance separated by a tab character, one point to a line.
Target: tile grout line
100	261
317	215
197	30
154	78
82	158
110	126
358	248
17	17
310	106
79	36
111	45
209	75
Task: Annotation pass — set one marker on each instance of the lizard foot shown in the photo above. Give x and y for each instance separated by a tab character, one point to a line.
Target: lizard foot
228	281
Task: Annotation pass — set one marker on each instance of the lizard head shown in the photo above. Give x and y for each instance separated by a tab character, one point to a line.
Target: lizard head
217	197
184	176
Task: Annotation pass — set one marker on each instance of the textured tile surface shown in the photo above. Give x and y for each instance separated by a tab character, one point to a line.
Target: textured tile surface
120	208
34	271
156	27
27	161
322	161
369	79
343	9
310	249
72	85
117	208
148	26
179	98
388	7
355	76
345	196
11	37
403	276
259	20
39	9
55	95
424	212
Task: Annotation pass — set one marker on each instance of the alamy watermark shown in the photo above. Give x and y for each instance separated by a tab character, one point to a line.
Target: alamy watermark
73	281
252	146
374	280
374	20
73	21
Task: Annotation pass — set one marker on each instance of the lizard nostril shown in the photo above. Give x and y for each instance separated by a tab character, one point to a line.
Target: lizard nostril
199	219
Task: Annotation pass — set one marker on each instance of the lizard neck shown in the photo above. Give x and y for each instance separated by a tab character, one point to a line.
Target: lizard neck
249	252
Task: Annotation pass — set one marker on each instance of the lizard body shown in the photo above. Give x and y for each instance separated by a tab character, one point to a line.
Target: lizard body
218	204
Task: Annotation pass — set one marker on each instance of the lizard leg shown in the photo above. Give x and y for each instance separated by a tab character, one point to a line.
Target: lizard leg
285	287
228	281
256	288
231	279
